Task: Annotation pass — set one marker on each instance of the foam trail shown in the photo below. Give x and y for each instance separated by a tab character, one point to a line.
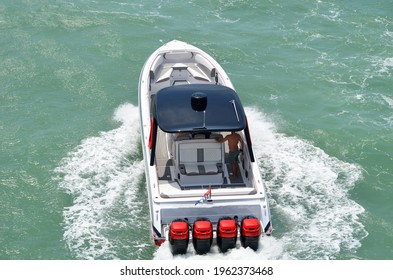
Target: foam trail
312	214
269	248
309	194
102	175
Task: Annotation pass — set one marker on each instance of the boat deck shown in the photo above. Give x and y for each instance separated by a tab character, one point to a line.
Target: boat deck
169	186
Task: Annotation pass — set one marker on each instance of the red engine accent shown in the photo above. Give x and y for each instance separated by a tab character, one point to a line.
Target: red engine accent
203	229
202	237
251	227
226	234
179	230
179	236
227	228
250	232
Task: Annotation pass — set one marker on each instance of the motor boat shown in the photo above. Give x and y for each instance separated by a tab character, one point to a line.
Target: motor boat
188	109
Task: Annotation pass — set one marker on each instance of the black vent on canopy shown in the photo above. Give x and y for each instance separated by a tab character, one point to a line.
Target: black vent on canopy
199	101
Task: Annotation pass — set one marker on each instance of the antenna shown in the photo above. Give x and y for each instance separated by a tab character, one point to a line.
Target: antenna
235	109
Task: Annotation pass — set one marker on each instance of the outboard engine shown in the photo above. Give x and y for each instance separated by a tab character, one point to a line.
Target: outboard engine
202	235
179	236
250	231
226	233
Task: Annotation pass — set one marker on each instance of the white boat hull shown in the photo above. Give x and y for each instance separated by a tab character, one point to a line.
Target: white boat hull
172	192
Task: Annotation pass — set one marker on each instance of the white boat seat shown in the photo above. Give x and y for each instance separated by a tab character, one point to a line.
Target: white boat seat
211	168
200	157
201	169
191	169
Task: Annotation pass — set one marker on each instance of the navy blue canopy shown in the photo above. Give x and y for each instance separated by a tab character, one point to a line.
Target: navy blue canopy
198	108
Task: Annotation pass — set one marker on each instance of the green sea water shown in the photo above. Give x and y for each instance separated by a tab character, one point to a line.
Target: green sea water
314	76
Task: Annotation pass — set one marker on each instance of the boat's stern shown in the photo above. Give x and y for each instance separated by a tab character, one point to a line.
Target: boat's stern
216	219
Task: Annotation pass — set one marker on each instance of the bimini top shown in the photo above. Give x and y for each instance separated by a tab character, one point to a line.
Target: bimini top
198	108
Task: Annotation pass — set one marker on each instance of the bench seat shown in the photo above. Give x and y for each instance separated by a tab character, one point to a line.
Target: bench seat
201	169
200	158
